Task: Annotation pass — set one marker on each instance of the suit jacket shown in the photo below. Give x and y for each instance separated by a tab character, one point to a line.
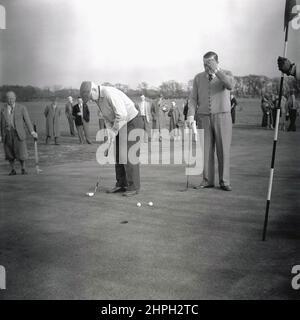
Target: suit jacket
85	112
298	71
147	110
211	97
21	119
68	109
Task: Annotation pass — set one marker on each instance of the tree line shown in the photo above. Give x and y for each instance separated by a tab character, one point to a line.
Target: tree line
250	86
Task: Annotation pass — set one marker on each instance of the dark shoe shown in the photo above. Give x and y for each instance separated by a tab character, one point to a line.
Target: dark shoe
56	142
130	193
204	186
24	172
116	190
47	139
12	173
226	188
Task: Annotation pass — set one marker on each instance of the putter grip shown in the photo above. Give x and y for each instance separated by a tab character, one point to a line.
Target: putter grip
34	128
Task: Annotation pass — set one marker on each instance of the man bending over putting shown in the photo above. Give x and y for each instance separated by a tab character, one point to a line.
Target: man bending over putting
121	117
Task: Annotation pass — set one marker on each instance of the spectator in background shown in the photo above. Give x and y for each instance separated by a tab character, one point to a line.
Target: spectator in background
267	106
158	110
13	119
82	119
283	113
234	104
176	121
144	109
292	108
186	109
52	114
69	115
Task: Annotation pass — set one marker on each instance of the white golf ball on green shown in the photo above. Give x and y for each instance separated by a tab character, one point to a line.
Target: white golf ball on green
138	204
150	204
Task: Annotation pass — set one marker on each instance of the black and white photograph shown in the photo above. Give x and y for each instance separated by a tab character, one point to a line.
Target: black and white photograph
149	150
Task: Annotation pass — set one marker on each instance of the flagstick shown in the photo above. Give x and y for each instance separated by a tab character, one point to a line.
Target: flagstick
275	141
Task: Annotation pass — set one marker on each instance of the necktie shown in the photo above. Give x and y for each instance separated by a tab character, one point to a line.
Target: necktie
11	116
210	77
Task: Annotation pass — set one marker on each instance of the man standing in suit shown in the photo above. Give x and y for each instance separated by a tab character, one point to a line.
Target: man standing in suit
52	113
82	117
210	98
121	117
289	68
234	104
145	109
13	119
292	108
69	115
158	110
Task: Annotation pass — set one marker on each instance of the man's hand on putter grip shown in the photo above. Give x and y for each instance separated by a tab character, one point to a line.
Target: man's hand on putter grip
111	135
34	134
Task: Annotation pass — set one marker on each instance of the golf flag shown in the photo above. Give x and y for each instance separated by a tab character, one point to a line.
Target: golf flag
289	15
2	17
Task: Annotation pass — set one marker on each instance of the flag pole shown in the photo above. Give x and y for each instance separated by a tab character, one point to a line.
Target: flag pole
278	107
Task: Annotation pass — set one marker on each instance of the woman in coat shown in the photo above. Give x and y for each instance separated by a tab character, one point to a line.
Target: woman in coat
52	114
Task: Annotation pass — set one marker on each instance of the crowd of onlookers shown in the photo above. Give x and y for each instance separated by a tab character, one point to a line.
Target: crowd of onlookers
289	110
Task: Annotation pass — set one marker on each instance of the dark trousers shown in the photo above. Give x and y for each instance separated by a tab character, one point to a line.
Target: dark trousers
80	134
293	118
128	175
71	124
233	114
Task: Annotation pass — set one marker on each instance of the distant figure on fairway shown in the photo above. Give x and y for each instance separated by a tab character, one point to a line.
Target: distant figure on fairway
13	120
292	109
289	68
267	110
210	98
69	115
52	114
158	110
81	114
283	113
145	113
121	118
176	121
234	104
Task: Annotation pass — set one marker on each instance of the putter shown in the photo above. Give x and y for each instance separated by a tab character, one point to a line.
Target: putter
36	154
91	194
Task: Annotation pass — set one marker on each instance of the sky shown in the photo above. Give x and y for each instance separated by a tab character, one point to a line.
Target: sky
64	42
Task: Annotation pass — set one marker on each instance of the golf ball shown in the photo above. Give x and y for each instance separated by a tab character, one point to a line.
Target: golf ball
139	204
89	194
150	204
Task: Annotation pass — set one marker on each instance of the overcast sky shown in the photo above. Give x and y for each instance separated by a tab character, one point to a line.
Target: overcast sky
64	42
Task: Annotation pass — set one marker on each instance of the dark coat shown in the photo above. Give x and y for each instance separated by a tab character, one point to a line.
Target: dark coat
78	118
